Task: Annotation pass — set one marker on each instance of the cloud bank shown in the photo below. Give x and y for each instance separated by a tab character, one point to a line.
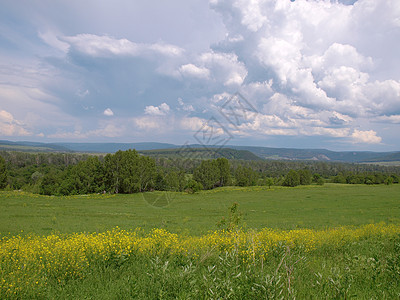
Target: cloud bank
318	73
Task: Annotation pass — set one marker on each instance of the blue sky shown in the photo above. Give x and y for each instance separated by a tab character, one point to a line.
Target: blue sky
310	74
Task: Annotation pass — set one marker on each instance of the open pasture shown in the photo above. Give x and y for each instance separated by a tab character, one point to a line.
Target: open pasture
316	207
178	254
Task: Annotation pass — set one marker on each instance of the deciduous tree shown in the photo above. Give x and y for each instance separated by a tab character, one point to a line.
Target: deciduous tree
3	173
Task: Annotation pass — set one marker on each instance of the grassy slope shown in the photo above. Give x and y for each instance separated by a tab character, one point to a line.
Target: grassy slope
364	269
311	207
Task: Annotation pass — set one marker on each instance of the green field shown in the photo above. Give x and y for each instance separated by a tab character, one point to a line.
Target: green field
307	255
314	207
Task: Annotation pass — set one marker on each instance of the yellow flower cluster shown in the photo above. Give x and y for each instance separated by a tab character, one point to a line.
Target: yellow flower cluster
33	261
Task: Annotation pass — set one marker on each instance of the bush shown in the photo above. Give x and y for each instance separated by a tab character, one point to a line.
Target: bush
389	181
193	187
291	179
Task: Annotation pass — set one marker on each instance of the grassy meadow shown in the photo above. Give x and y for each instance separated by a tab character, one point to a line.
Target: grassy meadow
315	207
319	242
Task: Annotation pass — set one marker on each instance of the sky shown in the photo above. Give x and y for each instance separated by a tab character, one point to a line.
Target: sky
274	73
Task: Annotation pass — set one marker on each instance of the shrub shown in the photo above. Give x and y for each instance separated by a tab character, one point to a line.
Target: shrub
193	187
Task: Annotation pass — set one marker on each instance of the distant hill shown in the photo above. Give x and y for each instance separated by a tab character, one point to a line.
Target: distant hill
32	147
251	152
114	147
319	154
202	153
389	157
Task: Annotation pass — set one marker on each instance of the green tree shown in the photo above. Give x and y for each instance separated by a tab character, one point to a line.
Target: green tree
305	176
87	176
378	178
36	177
50	183
175	180
147	171
207	174
224	172
3	173
269	181
395	178
291	179
128	172
160	182
112	172
339	179
389	180
353	178
245	176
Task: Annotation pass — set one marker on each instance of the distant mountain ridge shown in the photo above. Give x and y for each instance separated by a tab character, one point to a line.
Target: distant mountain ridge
260	152
114	147
320	154
202	153
32	147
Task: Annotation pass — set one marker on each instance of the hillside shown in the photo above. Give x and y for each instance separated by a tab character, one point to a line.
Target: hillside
256	153
32	147
320	154
390	157
202	153
114	147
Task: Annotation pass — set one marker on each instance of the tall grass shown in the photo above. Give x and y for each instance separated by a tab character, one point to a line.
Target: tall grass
334	263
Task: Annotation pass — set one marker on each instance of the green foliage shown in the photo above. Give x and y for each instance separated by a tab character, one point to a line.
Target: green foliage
355	179
233	221
3	173
389	180
395	178
50	184
202	153
175	181
36	177
339	179
160	183
291	179
207	174
213	173
193	186
123	172
224	172
318	179
245	176
305	176
269	181
130	172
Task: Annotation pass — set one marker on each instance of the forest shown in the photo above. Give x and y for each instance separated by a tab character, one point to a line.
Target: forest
131	172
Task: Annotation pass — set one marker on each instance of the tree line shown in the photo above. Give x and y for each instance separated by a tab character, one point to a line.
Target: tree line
130	172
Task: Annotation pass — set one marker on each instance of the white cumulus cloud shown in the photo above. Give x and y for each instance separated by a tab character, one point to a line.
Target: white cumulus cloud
194	71
161	110
103	46
9	126
108	112
312	69
367	136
